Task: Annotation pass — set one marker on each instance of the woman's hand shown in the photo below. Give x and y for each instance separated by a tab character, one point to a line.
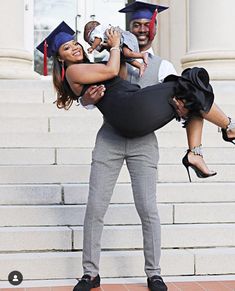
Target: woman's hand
114	37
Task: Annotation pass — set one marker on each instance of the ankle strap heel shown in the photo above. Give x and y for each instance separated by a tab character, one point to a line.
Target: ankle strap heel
200	174
230	126
197	150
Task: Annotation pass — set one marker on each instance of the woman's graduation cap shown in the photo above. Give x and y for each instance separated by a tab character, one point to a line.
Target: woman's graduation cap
142	10
50	45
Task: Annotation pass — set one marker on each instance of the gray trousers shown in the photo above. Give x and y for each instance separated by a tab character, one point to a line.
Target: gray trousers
141	155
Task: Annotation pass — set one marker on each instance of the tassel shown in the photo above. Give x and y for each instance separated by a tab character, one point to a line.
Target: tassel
152	26
45	59
62	71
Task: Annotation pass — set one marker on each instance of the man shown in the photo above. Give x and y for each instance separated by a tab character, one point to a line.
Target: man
141	156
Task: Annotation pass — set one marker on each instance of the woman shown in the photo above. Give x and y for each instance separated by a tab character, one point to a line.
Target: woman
134	111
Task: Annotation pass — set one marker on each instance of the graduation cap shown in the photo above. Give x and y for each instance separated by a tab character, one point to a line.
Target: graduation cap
143	10
51	44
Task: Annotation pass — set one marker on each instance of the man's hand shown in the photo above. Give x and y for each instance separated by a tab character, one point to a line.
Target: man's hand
180	109
93	94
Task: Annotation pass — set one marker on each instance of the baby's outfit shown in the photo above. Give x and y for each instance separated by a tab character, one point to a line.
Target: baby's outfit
127	38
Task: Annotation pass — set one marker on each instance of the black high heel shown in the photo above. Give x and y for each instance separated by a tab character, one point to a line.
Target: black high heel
187	164
225	131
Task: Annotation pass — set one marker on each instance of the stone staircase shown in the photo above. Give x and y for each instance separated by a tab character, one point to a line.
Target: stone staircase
45	156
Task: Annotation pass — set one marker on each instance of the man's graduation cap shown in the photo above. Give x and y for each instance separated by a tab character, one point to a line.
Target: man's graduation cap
142	10
51	44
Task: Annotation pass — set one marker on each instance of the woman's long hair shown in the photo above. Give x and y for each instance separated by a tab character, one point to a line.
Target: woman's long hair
65	95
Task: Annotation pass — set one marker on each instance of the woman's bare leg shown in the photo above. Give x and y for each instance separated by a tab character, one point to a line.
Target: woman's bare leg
194	132
194	136
219	118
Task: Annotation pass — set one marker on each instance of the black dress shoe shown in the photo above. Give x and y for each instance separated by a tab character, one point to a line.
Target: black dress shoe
86	284
156	283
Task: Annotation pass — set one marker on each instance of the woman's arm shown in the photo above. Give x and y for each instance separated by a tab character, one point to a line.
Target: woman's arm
123	71
95	73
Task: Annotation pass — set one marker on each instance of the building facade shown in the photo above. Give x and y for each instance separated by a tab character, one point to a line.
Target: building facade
45	153
187	34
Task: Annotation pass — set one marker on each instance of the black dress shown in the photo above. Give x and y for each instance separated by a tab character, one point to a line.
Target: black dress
135	112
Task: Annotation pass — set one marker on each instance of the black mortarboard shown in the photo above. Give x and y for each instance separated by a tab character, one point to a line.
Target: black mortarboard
61	34
50	45
141	10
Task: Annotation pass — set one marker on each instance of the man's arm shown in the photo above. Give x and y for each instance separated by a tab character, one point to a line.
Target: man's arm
180	109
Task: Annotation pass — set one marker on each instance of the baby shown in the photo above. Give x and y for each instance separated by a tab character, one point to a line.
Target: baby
95	35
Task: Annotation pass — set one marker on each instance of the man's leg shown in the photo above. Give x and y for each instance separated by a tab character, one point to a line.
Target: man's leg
107	160
142	164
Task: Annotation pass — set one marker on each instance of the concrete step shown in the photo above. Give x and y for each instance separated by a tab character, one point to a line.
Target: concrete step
83	156
50	174
31	194
15	96
62	215
225	173
21	239
212	155
75	120
166	193
46	194
46	140
214	261
204	213
18	239
78	115
31	109
174	155
27	91
79	125
87	139
22	124
57	265
45	110
198	235
53	124
29	156
172	236
224	90
45	83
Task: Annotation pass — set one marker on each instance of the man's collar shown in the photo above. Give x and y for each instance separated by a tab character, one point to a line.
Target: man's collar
150	51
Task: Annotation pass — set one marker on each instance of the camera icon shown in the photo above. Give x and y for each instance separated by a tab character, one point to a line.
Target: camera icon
15	278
